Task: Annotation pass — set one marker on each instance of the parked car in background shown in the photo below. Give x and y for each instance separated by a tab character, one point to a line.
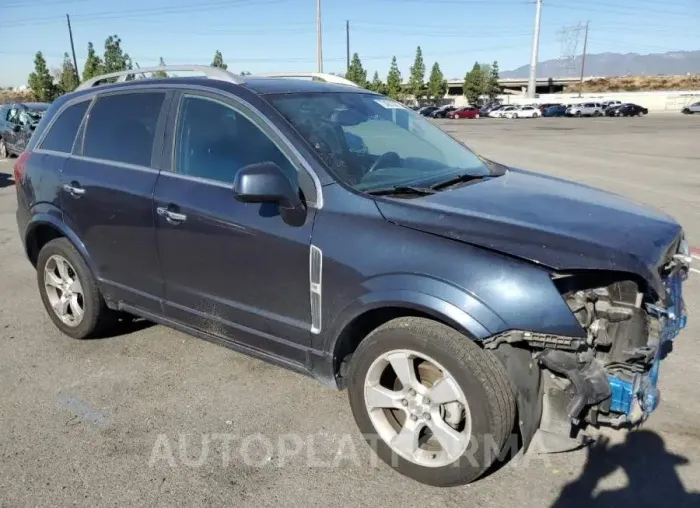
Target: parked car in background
525	112
458	300
558	110
543	107
610	104
485	110
693	108
502	111
468	112
442	111
627	109
427	110
17	123
586	109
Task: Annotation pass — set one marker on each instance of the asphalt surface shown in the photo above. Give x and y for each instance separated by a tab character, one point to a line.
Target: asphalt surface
143	418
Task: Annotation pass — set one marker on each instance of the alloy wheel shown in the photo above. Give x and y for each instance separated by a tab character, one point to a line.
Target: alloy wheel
64	290
417	408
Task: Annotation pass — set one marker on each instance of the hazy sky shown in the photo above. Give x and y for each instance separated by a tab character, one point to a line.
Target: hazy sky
279	35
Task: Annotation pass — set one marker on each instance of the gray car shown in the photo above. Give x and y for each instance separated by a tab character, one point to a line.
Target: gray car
586	109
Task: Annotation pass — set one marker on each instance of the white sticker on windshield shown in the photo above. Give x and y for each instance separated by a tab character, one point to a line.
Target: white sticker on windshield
385	103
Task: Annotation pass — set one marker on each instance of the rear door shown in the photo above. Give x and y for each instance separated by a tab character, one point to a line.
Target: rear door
235	270
107	192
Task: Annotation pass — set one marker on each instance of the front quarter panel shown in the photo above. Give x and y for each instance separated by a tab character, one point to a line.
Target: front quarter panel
369	262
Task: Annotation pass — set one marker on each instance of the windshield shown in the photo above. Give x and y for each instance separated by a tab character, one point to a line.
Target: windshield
372	142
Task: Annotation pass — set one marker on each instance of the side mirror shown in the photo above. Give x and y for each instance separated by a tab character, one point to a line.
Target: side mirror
265	183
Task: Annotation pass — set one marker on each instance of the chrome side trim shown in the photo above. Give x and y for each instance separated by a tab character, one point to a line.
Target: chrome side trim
114	163
315	286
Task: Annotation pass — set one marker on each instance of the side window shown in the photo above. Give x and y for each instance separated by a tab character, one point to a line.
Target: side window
214	142
61	136
122	127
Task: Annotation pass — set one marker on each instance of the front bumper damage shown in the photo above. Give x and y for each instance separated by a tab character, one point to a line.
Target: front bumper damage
610	376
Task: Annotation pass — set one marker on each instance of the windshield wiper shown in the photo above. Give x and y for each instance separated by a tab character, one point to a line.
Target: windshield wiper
401	189
457	179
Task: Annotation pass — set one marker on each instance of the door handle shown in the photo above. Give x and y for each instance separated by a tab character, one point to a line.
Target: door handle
73	190
170	216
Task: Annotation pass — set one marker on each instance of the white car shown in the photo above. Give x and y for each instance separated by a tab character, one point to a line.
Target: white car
525	112
693	108
610	104
586	109
502	112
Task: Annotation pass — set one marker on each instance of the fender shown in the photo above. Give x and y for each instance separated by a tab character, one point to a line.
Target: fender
48	214
427	295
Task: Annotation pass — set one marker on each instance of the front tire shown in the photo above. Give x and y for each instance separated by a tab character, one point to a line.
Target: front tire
434	406
69	291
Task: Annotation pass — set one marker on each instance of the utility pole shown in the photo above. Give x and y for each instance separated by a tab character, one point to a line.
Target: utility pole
319	39
532	82
347	44
583	59
72	48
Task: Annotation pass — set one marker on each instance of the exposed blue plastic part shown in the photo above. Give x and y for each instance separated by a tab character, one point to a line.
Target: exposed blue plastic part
622	395
644	387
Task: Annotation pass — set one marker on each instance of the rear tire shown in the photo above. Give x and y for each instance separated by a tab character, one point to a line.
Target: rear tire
93	315
459	363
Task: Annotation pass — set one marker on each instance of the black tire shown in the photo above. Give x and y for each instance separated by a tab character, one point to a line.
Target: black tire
96	316
4	151
686	111
578	113
480	375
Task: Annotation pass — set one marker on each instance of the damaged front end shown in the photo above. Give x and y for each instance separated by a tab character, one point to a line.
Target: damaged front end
608	377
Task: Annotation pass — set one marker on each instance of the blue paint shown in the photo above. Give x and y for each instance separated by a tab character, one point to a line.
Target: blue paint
644	387
84	412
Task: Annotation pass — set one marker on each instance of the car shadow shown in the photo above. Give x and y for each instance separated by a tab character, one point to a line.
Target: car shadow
124	326
6	180
650	469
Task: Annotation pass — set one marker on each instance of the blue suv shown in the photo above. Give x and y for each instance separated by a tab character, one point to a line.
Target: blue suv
332	231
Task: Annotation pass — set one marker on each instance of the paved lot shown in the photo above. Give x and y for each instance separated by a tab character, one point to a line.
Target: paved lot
142	418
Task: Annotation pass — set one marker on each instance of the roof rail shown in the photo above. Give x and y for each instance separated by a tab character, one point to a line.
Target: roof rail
320	76
208	71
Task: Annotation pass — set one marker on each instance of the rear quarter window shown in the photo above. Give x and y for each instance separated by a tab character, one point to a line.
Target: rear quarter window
62	132
122	127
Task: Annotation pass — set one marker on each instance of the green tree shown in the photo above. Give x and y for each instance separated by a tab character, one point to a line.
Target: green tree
473	84
356	73
376	85
416	81
219	61
68	77
40	81
93	64
114	57
437	85
160	74
393	81
494	87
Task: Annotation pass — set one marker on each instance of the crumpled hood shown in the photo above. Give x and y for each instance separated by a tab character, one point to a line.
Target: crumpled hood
546	220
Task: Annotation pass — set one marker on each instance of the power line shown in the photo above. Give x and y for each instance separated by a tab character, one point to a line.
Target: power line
161	11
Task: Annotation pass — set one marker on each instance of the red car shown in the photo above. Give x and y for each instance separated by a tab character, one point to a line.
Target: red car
468	112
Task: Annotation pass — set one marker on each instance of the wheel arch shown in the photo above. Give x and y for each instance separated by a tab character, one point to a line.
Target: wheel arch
364	316
45	227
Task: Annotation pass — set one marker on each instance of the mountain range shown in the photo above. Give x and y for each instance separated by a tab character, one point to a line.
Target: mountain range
615	64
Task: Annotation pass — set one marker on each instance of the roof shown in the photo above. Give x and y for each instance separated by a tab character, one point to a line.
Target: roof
290	85
260	86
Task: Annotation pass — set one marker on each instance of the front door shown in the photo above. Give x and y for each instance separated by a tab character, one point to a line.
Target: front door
232	269
107	193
